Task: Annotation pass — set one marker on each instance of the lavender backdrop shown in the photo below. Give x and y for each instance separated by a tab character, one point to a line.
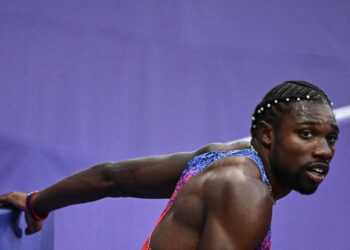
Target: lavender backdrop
90	81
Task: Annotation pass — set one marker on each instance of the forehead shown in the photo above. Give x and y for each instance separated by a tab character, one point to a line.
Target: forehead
312	112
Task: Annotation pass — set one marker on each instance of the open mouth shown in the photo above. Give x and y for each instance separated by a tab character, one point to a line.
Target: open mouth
317	171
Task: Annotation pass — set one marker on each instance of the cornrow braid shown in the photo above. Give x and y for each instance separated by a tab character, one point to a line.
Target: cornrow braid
277	101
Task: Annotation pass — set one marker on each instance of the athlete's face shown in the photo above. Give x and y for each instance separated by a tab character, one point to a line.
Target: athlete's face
304	145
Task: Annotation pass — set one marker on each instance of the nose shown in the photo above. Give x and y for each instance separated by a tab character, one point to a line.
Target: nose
323	150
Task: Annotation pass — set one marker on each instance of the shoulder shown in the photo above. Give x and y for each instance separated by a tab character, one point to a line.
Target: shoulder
234	187
237	203
237	181
223	147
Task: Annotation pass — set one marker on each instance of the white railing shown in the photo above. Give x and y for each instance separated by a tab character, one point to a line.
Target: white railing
341	114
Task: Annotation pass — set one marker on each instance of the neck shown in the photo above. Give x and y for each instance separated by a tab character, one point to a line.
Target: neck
279	189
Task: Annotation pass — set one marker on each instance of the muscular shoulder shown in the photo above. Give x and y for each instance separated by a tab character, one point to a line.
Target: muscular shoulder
238	204
236	181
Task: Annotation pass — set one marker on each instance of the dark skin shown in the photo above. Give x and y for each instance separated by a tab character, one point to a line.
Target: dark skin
198	219
226	206
305	141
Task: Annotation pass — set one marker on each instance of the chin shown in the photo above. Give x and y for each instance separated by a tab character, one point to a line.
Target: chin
306	190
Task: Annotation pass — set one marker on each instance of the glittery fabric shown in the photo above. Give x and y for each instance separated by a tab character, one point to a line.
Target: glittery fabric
198	164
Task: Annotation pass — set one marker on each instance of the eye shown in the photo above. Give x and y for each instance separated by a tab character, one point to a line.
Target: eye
306	134
332	139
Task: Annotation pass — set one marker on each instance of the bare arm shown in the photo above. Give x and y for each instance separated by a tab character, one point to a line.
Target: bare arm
149	177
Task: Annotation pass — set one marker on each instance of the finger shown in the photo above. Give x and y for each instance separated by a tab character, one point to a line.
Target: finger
28	231
16	223
33	229
2	200
6	205
3	203
37	226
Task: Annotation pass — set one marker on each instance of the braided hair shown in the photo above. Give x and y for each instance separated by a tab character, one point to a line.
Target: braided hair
277	102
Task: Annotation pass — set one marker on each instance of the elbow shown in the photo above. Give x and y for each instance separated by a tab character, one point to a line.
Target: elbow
108	178
105	170
121	179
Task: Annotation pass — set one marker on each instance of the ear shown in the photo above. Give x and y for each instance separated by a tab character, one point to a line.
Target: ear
265	133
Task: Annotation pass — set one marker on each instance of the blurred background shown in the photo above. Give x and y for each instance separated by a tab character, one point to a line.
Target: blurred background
83	82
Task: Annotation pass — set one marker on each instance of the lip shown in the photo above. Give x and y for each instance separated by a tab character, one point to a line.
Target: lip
313	175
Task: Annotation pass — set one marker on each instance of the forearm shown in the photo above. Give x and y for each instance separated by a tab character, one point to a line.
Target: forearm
85	186
149	177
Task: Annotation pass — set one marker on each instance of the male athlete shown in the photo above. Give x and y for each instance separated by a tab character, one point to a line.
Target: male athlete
224	194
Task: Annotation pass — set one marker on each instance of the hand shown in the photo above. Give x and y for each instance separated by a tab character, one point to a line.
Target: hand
17	200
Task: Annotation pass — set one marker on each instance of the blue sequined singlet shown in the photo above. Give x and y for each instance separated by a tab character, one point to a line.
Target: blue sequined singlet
201	162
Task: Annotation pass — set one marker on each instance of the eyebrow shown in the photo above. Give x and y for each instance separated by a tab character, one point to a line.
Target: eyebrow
317	123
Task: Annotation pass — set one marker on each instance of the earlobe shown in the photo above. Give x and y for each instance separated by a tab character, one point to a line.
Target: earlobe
265	131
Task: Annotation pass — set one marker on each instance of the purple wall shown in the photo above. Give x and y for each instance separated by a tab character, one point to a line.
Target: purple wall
89	81
11	241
